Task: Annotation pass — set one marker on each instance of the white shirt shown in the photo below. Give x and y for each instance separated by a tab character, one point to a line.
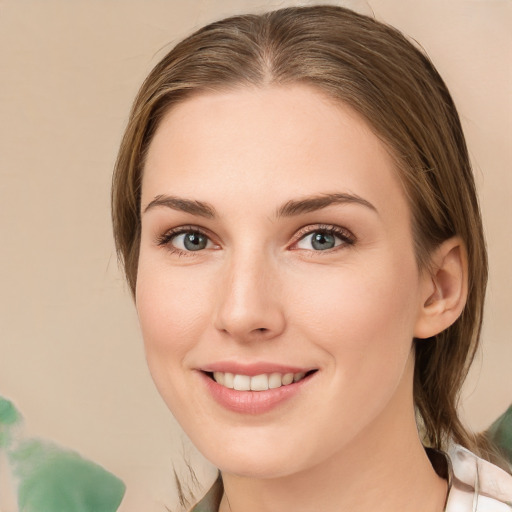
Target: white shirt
476	485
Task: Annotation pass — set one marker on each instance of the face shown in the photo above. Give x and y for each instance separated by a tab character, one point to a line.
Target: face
276	246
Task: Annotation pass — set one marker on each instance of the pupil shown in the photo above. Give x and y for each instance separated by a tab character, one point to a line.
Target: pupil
322	241
194	241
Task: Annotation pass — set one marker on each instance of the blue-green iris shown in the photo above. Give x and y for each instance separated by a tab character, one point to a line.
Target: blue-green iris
322	241
194	241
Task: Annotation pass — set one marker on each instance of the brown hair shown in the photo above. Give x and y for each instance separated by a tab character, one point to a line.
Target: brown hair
373	68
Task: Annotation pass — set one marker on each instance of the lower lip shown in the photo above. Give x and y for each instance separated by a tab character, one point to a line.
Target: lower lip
253	402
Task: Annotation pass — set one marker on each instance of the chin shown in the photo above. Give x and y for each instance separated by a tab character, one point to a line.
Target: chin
264	458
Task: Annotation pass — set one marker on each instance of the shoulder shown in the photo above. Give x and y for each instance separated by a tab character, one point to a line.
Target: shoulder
477	485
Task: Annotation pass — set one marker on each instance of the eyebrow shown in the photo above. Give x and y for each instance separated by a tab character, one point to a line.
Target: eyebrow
184	205
313	203
288	209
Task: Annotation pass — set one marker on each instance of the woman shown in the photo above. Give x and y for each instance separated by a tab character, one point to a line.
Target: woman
296	214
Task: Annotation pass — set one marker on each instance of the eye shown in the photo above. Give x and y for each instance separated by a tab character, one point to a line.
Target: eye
185	240
190	241
324	238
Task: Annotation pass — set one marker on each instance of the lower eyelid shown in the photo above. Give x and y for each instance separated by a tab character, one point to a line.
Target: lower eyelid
339	243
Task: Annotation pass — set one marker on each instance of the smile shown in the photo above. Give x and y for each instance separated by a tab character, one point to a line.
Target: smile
261	382
257	393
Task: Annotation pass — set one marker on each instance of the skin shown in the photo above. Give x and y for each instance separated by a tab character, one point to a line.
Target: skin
259	291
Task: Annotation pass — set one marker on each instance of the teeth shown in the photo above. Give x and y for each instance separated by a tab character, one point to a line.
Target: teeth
228	380
242	382
287	379
258	382
275	380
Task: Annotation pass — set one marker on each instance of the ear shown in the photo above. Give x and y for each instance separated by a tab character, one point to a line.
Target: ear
444	289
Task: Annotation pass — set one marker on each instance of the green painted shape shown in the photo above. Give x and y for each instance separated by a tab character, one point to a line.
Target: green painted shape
53	479
8	413
9	417
500	433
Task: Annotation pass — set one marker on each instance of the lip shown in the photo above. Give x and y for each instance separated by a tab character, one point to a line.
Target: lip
253	369
253	402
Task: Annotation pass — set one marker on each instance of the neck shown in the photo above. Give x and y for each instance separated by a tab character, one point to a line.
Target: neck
384	469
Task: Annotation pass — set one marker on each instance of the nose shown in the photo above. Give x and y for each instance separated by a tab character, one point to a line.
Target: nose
249	305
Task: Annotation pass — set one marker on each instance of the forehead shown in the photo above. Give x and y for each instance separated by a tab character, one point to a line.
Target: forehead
286	141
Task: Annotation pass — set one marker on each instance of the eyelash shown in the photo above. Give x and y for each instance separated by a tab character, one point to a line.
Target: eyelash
346	237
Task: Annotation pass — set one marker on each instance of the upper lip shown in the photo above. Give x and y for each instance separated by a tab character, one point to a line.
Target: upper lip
252	369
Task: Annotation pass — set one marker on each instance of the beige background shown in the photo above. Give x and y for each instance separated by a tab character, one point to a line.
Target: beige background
70	352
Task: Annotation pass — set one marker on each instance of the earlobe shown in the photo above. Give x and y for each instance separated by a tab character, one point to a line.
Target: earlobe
444	290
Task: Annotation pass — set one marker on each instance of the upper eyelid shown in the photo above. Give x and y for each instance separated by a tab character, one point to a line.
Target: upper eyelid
313	228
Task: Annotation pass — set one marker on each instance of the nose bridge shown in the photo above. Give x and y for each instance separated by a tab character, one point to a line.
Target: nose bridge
248	302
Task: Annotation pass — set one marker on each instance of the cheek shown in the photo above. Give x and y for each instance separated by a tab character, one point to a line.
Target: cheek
363	316
172	311
363	321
